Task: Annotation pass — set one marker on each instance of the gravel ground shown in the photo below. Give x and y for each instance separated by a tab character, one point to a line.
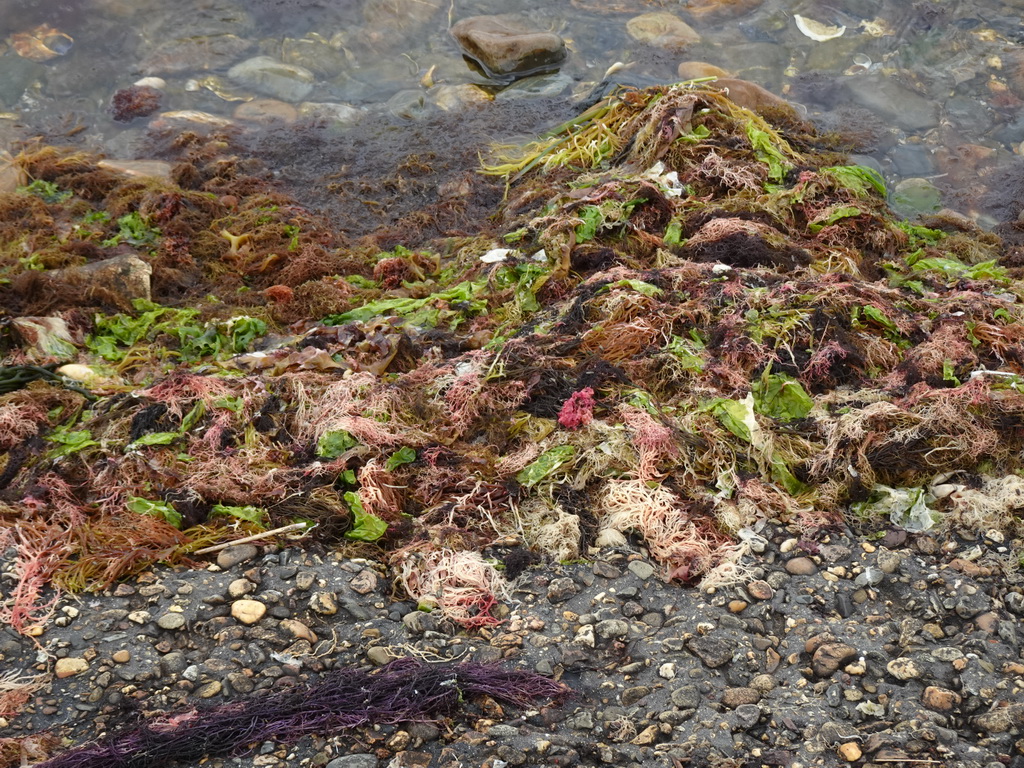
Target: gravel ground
904	651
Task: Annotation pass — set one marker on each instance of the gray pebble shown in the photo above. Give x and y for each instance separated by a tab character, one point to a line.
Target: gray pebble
239	553
354	761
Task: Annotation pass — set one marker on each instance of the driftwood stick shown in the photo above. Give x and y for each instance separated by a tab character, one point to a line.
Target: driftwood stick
247	539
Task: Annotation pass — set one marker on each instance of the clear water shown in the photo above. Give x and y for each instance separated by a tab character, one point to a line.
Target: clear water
935	88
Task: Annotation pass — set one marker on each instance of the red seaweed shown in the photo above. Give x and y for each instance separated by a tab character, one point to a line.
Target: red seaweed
403	690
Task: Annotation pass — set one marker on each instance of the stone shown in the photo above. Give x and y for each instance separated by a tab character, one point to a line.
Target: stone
535	87
633	695
324	603
240	588
904	669
69	666
119	280
561	589
662	30
940	699
612	628
248	611
299	630
801	566
354	761
717	10
210	689
760	590
736	697
266	112
686	697
504	46
850	751
171	621
239	553
692	70
891	101
274	78
641	569
737	606
194	53
331	112
364	582
379	655
830	657
121	657
1001	719
713	651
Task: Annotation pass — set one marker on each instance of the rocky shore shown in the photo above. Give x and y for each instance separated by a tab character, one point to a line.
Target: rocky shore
873	653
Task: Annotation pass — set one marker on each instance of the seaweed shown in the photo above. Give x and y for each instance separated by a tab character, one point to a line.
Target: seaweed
342	700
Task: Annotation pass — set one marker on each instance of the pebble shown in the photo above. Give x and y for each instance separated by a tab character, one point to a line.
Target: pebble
209	690
232	556
379	655
903	669
121	657
287	82
69	666
735	697
248	611
354	761
364	582
760	590
324	603
830	657
612	628
240	587
850	751
801	566
641	568
940	699
171	621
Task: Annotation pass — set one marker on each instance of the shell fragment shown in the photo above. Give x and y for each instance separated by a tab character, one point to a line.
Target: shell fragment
817	30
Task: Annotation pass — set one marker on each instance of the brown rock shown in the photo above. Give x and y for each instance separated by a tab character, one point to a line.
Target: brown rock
692	70
736	697
751	95
940	699
298	630
121	657
760	590
661	29
248	611
156	169
850	751
737	606
504	45
364	582
801	566
69	666
815	642
1001	719
830	657
715	10
267	112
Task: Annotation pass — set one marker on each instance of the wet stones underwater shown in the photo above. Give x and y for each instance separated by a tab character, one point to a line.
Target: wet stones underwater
694	452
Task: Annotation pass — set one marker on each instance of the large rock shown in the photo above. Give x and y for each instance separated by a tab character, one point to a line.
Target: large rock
716	10
750	95
890	100
505	47
118	280
661	29
274	78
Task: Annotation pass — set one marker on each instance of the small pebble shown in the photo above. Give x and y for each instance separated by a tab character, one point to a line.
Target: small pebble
248	611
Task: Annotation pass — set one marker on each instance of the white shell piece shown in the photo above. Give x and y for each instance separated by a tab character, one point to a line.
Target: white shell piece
817	30
495	255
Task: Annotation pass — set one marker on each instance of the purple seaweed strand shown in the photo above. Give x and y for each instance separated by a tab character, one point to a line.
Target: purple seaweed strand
401	691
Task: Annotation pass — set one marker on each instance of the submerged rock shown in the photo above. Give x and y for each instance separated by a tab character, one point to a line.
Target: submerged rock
505	46
274	78
662	30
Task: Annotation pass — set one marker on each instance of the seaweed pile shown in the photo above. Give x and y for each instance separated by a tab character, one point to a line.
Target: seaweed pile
697	317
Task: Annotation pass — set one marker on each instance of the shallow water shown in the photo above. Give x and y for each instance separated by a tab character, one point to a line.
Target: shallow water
932	91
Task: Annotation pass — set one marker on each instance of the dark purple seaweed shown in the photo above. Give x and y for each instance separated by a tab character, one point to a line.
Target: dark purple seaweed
403	690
